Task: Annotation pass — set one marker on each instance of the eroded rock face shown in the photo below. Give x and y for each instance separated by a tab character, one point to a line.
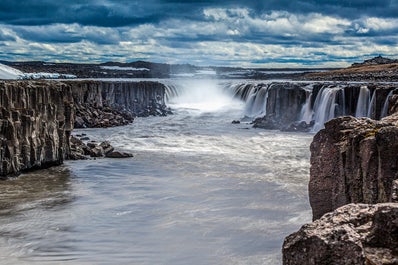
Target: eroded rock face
36	119
115	103
353	234
353	161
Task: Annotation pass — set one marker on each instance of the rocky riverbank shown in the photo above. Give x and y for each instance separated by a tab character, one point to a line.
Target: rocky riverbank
352	161
37	118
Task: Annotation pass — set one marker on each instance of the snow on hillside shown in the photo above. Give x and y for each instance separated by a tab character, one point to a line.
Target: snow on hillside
7	72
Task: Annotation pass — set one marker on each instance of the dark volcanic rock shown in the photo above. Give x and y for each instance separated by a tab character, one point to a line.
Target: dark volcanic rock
353	234
108	103
81	150
284	103
353	161
118	154
36	119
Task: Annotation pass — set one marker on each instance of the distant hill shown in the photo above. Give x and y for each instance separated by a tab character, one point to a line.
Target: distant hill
378	69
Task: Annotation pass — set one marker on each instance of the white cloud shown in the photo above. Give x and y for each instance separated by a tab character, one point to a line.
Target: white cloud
234	36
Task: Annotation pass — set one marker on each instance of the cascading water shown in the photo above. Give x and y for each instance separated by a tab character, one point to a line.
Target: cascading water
306	111
363	104
372	106
254	99
325	106
384	110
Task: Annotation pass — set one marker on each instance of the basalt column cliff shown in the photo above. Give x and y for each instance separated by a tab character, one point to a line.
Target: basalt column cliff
36	119
353	161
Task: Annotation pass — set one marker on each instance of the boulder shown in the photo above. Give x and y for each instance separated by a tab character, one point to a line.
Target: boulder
107	147
353	234
118	154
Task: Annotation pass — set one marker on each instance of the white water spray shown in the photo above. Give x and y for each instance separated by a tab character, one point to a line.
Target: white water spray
201	96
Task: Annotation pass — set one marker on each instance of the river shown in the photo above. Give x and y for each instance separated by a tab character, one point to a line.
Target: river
200	190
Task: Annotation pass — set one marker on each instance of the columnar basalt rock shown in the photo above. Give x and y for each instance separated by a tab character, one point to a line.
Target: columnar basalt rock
283	107
113	103
36	119
353	161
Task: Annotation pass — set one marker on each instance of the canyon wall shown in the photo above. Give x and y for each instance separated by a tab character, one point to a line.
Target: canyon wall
113	103
36	119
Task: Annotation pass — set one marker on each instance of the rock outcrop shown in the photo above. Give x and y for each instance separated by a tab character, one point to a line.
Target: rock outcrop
283	106
353	234
36	119
353	161
81	150
114	103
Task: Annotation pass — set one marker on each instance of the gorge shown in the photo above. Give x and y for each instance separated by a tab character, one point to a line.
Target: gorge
199	139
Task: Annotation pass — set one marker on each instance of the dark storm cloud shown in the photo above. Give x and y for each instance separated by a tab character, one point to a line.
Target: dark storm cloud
61	33
114	13
209	31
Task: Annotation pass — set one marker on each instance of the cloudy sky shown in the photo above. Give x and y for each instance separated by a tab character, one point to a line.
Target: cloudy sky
267	33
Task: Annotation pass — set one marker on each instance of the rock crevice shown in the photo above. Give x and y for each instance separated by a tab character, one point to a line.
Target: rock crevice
36	119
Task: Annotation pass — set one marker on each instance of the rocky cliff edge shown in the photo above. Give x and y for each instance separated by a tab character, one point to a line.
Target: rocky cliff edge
353	161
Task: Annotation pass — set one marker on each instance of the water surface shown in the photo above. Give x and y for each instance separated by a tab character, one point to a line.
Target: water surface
199	190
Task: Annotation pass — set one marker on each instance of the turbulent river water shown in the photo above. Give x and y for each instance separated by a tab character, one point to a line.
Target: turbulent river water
199	190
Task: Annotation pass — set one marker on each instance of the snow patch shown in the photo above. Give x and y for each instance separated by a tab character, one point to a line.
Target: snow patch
118	68
48	76
7	72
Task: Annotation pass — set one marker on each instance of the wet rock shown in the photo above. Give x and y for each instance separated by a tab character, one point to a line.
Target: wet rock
235	122
352	234
97	151
92	144
300	126
118	154
107	147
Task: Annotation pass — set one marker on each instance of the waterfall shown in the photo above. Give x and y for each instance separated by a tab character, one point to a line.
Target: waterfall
256	106
306	111
384	110
363	102
280	104
372	106
325	106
